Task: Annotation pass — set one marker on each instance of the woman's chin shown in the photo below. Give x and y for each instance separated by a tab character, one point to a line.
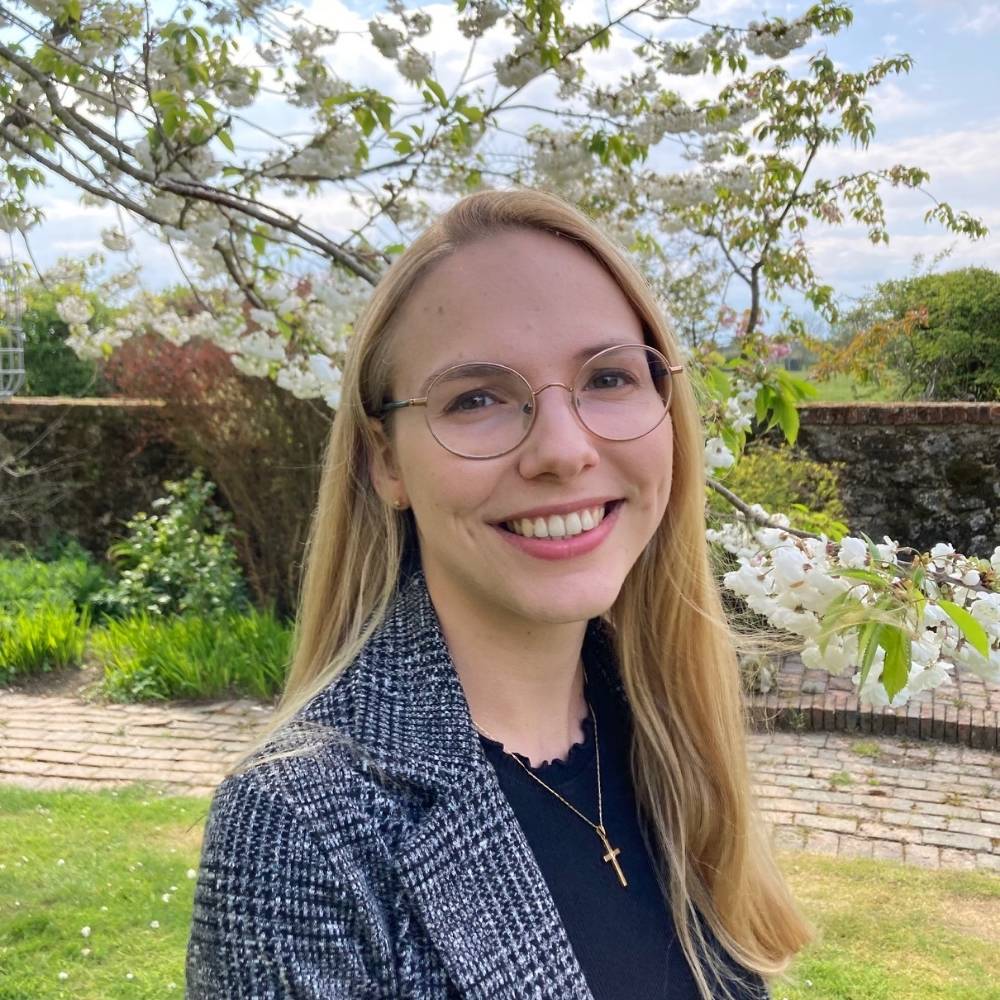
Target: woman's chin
577	602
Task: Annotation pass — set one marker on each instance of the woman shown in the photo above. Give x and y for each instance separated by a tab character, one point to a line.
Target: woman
509	760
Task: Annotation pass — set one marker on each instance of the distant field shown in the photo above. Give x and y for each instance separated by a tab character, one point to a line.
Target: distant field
845	389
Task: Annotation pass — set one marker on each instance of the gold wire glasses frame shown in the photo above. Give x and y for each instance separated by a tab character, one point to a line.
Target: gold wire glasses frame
666	370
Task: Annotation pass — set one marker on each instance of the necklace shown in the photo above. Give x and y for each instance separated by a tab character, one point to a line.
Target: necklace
611	855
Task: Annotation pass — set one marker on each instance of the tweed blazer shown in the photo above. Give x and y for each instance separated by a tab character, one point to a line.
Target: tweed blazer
384	862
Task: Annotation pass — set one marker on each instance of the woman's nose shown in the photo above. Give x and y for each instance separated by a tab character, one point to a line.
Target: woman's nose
558	443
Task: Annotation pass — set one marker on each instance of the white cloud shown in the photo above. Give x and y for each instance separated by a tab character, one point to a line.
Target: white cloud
892	103
960	164
986	18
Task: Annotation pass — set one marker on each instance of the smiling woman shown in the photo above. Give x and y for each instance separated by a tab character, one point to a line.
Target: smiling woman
509	760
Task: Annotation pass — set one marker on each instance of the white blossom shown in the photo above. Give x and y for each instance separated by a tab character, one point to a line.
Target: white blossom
74	311
414	65
329	378
717	455
115	240
387	40
777	39
480	16
853	553
792	581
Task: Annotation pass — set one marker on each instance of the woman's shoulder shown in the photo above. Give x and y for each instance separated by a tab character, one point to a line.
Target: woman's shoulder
315	815
315	769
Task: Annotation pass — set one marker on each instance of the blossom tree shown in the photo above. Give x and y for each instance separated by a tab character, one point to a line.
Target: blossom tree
172	118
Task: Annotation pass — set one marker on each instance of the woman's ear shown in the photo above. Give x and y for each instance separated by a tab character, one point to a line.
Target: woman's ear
384	469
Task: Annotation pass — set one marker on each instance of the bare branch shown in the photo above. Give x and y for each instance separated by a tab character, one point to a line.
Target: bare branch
744	508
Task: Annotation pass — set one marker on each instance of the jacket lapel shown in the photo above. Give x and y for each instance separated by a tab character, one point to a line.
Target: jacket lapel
463	858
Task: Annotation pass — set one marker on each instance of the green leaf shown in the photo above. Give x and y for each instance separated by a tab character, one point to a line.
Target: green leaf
601	40
471	112
898	654
968	626
344	98
865	575
259	243
762	403
868	643
383	112
787	416
227	140
438	91
872	548
164	98
841	605
720	382
364	117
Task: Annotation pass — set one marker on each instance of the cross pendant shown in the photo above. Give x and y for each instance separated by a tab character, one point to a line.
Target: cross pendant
612	855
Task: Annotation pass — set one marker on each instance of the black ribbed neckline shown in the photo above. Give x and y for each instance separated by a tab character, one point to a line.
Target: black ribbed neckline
579	756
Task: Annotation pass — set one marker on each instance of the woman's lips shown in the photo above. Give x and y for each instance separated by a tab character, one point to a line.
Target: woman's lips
564	548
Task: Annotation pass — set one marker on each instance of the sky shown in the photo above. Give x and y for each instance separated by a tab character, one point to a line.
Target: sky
944	117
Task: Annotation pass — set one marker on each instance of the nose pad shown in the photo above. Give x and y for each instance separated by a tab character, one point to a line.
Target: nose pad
571	403
556	449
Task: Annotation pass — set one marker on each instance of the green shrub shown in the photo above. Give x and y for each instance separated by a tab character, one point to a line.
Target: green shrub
27	581
52	367
178	561
942	333
151	658
783	483
42	638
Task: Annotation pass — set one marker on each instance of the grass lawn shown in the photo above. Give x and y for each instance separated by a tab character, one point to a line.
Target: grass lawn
887	932
847	389
114	864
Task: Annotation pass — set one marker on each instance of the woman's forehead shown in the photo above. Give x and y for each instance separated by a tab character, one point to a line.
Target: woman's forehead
520	293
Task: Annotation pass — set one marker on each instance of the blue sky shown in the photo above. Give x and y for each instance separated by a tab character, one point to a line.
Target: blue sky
944	116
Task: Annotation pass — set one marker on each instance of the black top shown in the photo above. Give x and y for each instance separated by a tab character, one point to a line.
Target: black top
623	937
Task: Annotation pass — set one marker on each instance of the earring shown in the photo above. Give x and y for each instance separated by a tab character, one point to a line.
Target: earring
397	503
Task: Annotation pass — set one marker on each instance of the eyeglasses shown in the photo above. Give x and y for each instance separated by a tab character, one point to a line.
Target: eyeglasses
483	410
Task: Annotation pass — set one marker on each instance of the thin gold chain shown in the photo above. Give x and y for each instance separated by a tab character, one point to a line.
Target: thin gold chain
599	826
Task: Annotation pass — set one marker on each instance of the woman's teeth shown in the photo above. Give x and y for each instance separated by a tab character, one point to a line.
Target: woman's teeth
557	525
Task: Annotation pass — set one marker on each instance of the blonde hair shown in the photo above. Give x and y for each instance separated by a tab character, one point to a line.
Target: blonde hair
675	653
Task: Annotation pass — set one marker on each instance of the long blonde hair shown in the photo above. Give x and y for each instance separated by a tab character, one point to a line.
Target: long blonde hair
675	652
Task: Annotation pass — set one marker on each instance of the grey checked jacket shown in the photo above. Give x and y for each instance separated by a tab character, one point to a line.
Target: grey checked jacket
386	862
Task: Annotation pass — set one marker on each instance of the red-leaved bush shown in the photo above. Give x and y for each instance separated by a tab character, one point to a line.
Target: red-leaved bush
260	445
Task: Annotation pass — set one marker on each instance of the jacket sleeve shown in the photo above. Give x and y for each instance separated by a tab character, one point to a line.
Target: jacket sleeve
280	911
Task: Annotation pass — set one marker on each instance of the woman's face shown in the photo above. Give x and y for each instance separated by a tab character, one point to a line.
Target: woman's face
533	302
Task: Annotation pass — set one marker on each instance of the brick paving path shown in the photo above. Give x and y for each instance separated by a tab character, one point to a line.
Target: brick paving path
966	710
58	742
928	804
924	803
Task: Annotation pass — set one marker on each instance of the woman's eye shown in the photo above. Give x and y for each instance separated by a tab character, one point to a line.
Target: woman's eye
469	402
611	380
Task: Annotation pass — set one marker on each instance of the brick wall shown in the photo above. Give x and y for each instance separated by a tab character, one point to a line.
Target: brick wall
79	467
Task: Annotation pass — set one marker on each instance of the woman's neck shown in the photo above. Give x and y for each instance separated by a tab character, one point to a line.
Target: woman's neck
523	681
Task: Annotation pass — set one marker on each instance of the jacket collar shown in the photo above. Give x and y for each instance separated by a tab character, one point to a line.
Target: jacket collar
402	703
462	858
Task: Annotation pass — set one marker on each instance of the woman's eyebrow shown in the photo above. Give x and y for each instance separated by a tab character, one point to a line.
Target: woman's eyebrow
581	355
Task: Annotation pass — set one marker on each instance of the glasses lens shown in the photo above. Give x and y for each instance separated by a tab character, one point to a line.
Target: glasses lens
624	393
479	410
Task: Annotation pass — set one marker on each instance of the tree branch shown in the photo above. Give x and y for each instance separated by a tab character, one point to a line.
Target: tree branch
744	508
